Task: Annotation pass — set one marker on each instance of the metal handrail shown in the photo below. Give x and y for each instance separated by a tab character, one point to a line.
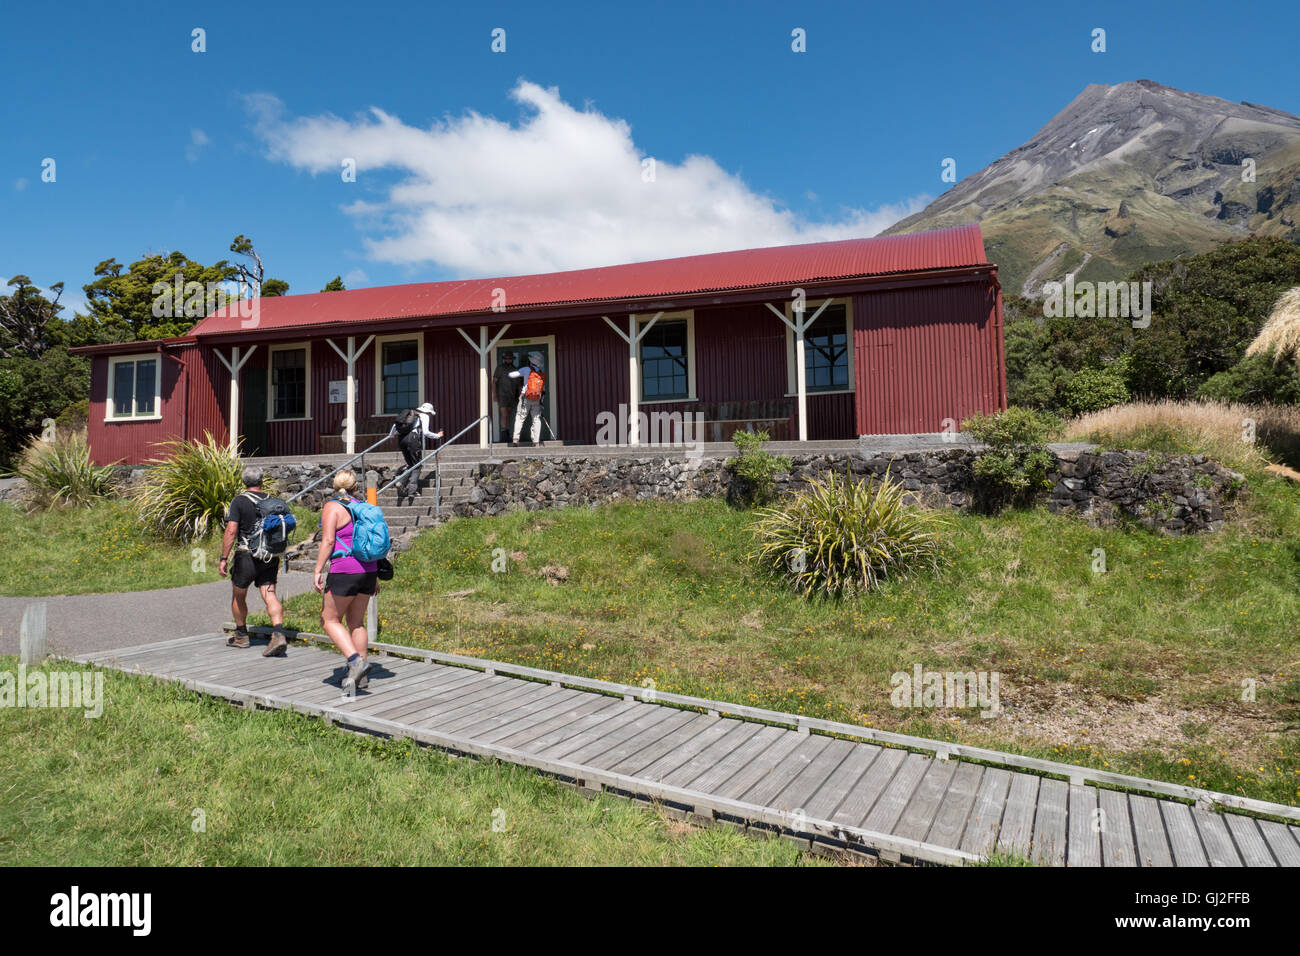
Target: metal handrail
360	455
433	454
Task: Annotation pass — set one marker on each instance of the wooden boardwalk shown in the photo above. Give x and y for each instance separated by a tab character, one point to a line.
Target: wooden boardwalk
889	795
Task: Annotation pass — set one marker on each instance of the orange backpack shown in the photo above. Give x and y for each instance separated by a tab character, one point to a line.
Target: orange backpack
536	382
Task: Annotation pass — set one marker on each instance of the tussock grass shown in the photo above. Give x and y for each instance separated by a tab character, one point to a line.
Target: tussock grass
1219	430
59	472
1280	336
278	788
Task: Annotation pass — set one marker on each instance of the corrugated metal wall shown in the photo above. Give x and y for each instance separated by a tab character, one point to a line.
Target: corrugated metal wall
925	354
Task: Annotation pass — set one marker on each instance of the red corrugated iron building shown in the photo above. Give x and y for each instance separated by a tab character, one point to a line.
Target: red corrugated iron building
910	342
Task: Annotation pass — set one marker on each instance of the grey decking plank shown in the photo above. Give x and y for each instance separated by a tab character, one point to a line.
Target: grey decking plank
1215	838
1084	845
778	775
673	759
796	794
1183	838
981	834
501	722
1016	834
739	780
1149	831
273	668
1117	847
1284	847
1250	842
1050	823
475	695
632	763
892	802
412	685
955	806
596	740
842	781
868	788
575	711
918	817
562	727
736	733
603	752
504	699
692	777
513	709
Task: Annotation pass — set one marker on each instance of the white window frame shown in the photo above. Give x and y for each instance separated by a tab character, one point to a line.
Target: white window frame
270	381
641	322
418	338
792	381
110	409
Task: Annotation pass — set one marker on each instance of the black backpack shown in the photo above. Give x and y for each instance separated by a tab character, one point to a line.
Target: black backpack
270	534
405	422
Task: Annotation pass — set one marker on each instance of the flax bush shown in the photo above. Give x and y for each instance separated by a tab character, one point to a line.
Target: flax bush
841	538
184	496
60	473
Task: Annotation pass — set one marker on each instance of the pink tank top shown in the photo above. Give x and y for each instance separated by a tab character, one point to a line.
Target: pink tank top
343	542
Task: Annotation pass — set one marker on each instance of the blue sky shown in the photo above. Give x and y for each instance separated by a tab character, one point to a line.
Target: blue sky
160	148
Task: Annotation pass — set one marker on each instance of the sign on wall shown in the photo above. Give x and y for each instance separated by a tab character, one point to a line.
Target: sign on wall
338	392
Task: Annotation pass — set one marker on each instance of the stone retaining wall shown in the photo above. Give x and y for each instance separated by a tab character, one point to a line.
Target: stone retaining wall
1175	494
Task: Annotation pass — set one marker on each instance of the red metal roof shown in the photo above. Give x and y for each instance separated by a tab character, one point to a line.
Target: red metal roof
715	272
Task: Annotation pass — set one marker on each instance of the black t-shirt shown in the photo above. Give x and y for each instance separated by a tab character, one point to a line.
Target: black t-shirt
245	512
507	388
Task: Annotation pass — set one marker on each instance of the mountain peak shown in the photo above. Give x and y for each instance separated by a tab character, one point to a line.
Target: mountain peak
1174	162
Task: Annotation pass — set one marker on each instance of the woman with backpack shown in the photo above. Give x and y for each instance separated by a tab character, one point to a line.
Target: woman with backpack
348	585
530	398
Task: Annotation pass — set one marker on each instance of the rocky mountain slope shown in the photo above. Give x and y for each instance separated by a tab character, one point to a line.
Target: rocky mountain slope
1126	175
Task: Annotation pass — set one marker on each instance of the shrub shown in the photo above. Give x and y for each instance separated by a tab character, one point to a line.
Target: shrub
1017	463
184	496
60	472
1092	389
840	538
754	469
1255	379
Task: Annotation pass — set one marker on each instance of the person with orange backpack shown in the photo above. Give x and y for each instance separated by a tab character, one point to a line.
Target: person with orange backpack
530	398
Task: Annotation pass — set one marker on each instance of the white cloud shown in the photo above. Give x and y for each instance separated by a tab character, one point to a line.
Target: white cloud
20	184
198	139
355	278
560	189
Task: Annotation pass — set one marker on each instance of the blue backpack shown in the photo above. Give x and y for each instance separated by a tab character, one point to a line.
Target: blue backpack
370	539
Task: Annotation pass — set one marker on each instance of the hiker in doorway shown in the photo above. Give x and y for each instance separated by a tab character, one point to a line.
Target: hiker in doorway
530	398
348	585
507	392
244	569
412	428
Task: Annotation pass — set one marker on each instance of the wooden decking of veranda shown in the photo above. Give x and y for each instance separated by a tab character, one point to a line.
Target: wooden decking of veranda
831	785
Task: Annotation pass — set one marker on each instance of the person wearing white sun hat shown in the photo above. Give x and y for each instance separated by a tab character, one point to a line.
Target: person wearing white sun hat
530	397
412	427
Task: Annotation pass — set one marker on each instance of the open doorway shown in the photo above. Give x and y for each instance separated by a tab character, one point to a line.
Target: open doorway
519	348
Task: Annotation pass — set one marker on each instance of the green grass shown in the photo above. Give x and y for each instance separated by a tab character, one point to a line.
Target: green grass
100	549
1138	669
278	788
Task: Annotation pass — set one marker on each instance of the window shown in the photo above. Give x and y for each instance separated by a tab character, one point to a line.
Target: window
288	382
828	351
667	359
134	388
400	375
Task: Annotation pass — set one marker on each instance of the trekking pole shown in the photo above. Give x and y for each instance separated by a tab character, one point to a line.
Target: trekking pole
549	428
372	619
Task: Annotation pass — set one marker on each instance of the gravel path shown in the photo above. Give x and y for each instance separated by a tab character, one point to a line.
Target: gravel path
78	623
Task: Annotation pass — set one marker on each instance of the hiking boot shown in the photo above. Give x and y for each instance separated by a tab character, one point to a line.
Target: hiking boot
349	687
238	639
358	672
277	646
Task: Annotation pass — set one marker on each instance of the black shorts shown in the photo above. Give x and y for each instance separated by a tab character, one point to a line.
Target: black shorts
246	570
346	585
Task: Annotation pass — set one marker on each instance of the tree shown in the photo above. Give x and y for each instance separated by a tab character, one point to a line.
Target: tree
28	321
33	389
274	287
335	285
141	301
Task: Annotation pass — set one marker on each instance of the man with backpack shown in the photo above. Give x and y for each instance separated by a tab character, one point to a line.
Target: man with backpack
507	392
412	427
530	398
250	553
